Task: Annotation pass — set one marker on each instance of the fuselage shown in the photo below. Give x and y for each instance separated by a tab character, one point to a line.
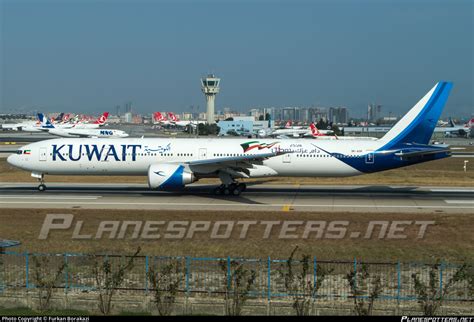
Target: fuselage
133	156
95	133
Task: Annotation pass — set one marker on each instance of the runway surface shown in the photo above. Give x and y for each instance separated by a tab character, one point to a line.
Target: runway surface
262	197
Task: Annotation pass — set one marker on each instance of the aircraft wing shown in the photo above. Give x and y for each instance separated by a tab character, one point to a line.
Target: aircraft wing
82	135
232	161
235	166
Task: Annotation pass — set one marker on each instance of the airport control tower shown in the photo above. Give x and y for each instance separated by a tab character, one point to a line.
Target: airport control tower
210	87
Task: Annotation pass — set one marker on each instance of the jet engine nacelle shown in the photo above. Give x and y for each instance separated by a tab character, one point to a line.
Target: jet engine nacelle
169	176
262	133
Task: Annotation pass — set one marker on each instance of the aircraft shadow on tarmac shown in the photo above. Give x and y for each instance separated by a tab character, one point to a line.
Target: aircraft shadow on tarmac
253	188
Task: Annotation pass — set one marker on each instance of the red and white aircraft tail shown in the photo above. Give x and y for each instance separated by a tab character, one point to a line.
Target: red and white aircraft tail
66	118
173	117
314	131
470	123
158	118
102	119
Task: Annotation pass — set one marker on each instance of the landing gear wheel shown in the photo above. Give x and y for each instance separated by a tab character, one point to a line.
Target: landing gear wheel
227	191
242	187
217	191
237	190
42	187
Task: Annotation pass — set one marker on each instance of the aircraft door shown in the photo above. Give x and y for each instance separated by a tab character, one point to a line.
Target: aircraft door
42	154
369	158
202	153
287	158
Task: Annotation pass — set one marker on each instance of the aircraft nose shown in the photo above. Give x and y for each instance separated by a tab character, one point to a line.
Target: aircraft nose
13	160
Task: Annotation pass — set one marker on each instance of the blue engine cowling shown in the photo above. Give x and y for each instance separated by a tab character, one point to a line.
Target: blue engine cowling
168	176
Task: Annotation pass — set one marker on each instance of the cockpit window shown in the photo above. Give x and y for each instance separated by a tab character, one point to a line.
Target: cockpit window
19	152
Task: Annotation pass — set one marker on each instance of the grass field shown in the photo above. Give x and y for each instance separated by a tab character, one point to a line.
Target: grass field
450	238
446	172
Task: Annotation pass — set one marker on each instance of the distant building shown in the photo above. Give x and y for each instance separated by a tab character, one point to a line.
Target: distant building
187	116
317	113
128	107
373	112
389	119
338	115
242	126
244	118
127	117
290	114
137	119
202	116
113	119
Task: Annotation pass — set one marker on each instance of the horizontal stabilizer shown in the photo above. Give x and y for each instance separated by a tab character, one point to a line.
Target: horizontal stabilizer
411	154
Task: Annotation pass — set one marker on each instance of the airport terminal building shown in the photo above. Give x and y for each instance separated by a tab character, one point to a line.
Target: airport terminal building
243	125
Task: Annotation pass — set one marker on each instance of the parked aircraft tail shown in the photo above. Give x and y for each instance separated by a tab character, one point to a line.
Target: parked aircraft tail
102	119
314	130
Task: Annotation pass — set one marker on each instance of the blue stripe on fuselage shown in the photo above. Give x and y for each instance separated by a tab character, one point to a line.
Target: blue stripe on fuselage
385	161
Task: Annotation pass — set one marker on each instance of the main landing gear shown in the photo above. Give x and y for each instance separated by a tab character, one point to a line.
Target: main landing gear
233	189
229	186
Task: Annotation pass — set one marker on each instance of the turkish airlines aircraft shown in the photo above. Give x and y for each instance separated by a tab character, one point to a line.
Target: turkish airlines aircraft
289	125
80	124
456	130
315	132
160	119
171	164
293	132
101	120
175	121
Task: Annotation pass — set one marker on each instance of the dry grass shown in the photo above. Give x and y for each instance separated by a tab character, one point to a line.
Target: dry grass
446	172
449	239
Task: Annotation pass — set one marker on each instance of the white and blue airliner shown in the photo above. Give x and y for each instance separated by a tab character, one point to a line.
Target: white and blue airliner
171	163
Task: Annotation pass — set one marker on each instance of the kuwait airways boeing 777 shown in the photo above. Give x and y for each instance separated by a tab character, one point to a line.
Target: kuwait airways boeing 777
173	163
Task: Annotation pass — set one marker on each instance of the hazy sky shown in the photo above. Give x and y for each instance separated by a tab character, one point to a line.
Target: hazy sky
89	56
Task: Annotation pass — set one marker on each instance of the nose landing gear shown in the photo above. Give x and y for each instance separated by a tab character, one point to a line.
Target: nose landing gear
40	177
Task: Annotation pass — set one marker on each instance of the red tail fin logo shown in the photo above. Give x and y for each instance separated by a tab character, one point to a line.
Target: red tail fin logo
101	120
173	117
